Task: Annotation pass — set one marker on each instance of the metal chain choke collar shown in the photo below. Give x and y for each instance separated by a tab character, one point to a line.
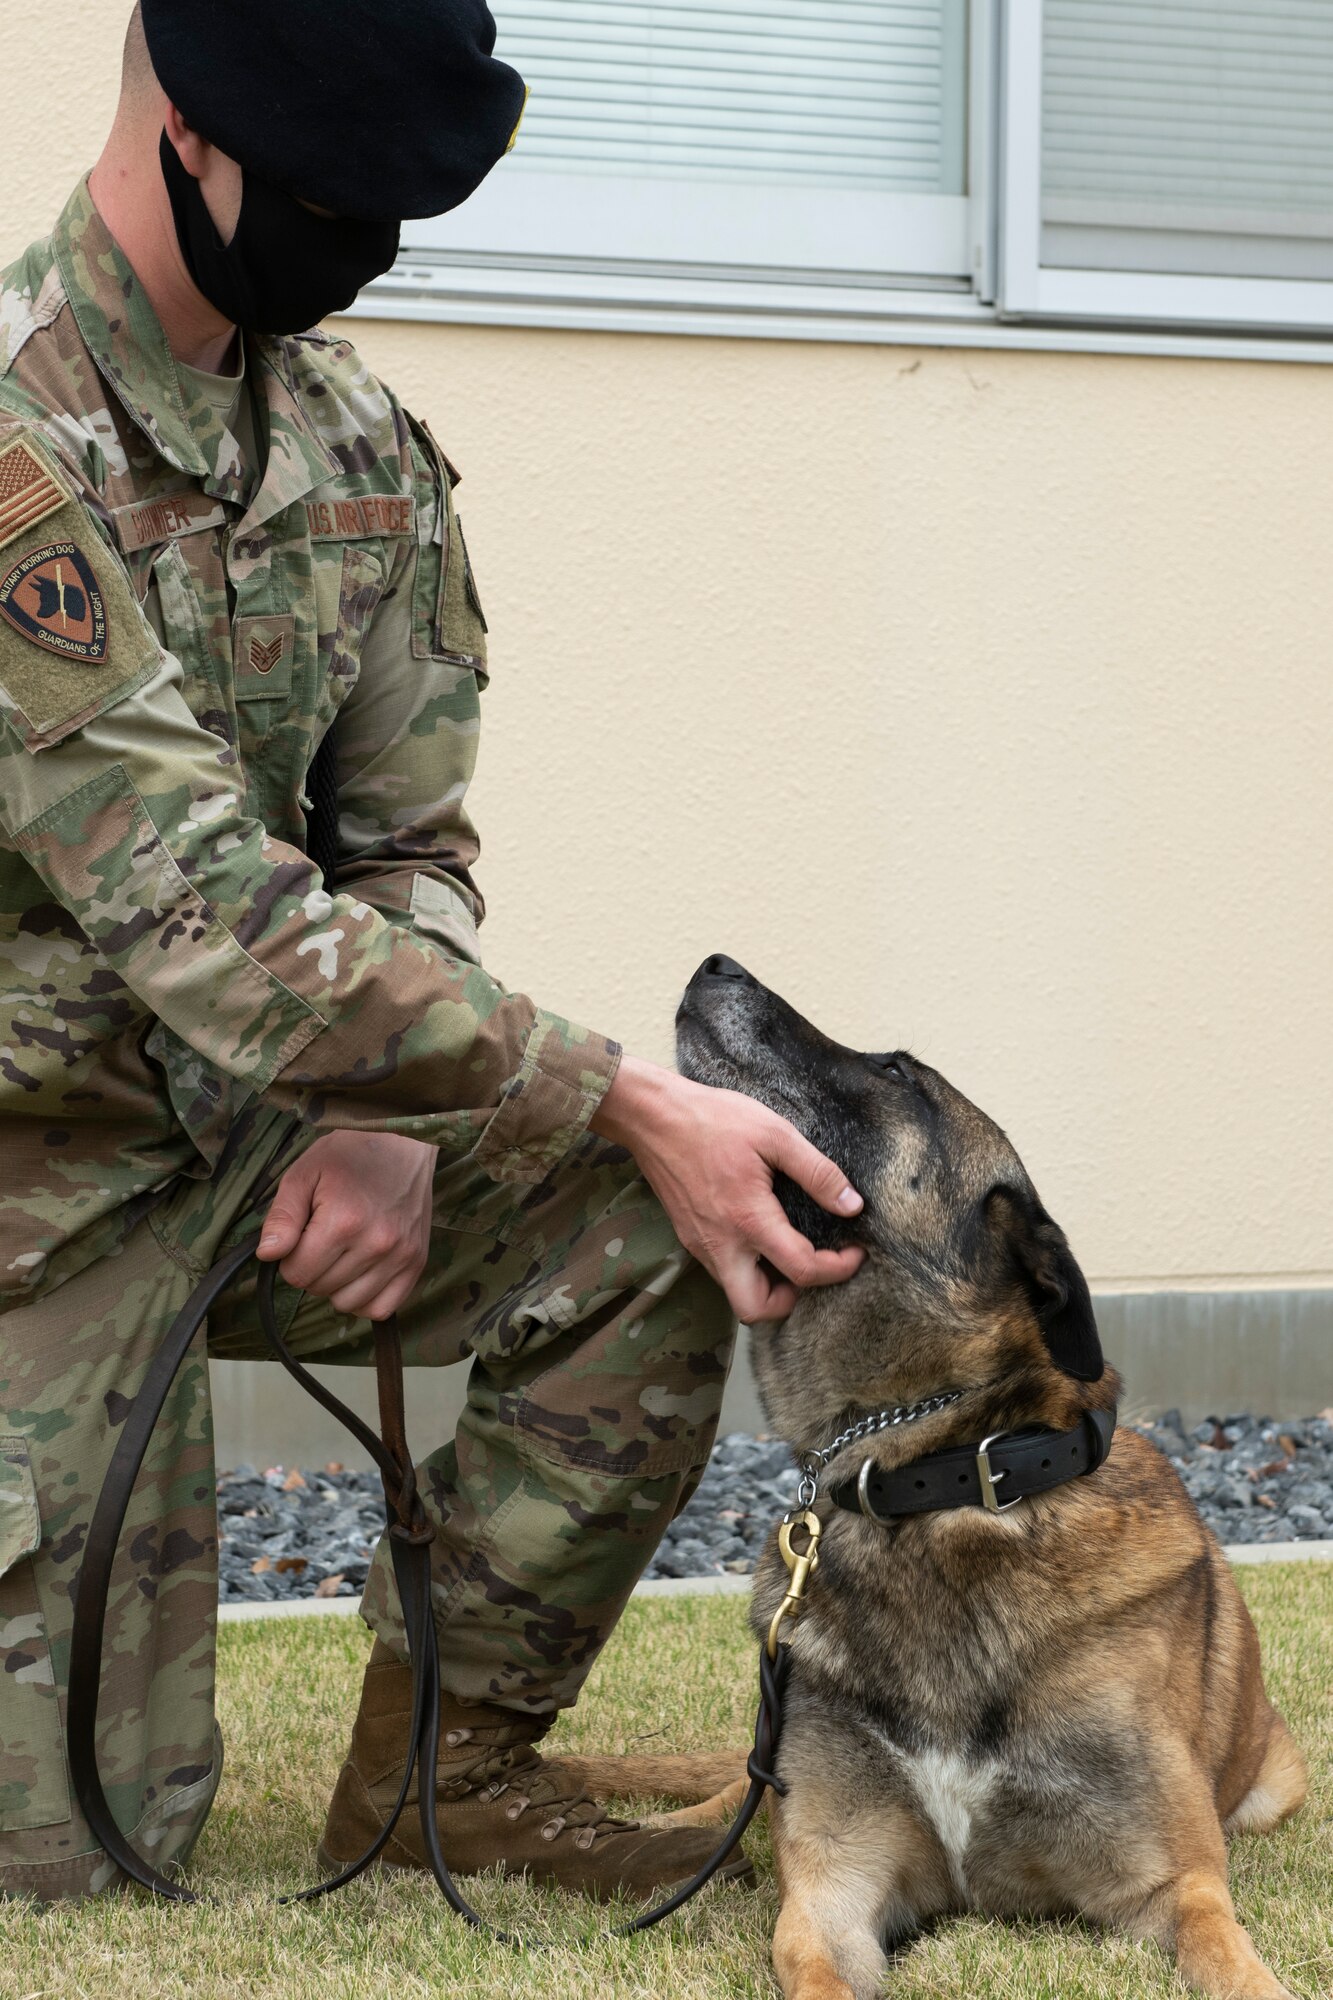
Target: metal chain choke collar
813	1462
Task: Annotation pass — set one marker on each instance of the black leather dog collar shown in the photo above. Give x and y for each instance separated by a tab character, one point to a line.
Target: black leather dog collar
995	1474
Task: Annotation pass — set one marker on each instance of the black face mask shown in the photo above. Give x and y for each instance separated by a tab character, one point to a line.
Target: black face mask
285	266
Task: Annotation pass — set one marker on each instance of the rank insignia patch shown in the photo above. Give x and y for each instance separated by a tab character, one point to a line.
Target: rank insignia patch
28	493
52	598
263	652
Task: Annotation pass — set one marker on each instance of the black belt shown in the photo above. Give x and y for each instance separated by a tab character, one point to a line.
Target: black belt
410	1537
996	1474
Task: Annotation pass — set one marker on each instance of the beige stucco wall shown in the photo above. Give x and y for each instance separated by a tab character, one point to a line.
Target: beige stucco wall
978	701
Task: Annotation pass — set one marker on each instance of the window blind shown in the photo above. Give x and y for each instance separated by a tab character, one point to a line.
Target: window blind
764	140
855	94
1188	136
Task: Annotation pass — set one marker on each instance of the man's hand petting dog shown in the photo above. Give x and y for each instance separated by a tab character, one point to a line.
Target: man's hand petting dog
710	1157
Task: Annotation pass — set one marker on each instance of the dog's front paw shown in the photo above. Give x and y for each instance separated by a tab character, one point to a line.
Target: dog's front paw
1261	1984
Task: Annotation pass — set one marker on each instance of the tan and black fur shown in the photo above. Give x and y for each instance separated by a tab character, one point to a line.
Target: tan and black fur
1057	1709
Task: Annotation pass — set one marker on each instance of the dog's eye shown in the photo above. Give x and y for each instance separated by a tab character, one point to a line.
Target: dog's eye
890	1066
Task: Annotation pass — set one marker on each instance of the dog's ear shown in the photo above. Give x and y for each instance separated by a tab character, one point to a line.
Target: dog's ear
1055	1284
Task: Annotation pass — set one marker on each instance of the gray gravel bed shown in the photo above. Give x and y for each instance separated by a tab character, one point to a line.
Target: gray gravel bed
306	1534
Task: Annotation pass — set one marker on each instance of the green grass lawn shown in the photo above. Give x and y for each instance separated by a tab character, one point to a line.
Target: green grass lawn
678	1674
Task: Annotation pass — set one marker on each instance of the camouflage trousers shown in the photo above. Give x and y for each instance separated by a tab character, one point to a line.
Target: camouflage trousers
598	1349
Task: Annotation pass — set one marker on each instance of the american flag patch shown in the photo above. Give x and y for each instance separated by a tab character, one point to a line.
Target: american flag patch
28	493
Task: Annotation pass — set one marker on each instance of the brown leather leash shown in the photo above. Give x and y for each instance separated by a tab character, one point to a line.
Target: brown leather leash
410	1539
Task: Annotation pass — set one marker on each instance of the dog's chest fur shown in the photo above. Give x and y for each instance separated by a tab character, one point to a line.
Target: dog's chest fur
929	1745
930	1690
952	1792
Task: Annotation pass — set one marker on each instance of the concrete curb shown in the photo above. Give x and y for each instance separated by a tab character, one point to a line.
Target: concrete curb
1279	1552
300	1607
695	1586
720	1586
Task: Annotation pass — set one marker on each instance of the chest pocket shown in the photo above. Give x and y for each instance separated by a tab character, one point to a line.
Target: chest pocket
293	672
175	604
349	583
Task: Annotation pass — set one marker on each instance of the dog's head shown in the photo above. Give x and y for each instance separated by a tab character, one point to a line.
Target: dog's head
967	1281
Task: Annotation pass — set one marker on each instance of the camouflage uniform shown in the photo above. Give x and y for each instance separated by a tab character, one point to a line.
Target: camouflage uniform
188	1005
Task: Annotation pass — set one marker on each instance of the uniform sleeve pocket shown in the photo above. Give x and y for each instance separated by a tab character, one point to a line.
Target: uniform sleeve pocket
34	1781
462	621
20	1527
448	622
443	914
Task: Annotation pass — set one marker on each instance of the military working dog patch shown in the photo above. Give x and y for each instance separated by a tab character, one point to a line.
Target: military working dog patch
28	493
65	604
53	598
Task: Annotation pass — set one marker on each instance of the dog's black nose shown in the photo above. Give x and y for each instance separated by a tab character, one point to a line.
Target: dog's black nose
721	967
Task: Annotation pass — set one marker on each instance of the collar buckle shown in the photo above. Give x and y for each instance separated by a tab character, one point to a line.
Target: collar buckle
989	1477
863	1494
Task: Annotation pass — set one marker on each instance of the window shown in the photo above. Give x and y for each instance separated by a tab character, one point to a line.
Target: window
1179	165
735	135
993	170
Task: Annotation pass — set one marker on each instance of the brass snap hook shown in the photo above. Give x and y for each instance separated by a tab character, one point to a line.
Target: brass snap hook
800	1568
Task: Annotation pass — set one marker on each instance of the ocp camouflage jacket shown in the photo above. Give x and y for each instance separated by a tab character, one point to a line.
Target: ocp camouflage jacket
170	659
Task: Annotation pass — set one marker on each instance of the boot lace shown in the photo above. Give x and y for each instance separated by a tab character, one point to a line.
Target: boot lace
536	1784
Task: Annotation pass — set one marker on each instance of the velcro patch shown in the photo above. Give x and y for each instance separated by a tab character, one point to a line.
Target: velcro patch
28	493
53	598
368	516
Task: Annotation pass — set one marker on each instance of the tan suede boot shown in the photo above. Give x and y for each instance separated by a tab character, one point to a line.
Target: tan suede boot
498	1802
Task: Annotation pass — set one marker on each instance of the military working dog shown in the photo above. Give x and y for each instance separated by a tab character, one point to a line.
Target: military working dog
1055	1708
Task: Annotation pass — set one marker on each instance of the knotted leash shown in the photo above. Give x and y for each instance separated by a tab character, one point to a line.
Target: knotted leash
410	1538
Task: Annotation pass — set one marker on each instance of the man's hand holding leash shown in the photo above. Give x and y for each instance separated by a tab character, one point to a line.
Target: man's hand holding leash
350	1221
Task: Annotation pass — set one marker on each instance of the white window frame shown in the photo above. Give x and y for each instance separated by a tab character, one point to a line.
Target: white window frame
1029	288
976	278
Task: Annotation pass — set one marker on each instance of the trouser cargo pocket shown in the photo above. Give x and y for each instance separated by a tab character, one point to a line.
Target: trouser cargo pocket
34	1783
